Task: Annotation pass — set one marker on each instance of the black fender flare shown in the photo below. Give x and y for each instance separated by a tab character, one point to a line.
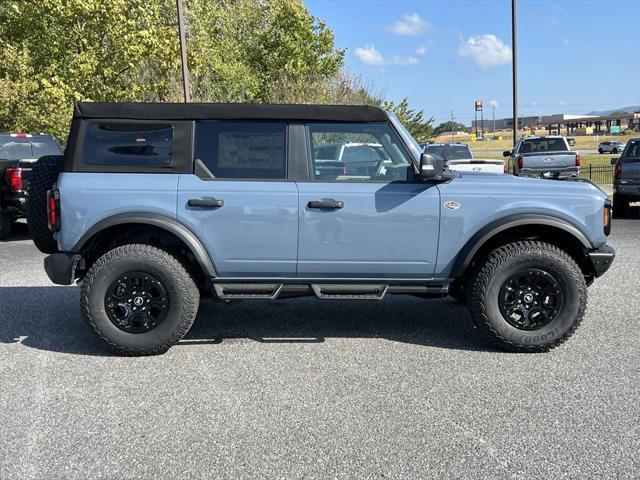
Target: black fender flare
465	257
166	223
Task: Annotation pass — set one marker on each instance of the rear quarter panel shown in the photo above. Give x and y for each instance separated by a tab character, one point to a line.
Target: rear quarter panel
87	198
485	198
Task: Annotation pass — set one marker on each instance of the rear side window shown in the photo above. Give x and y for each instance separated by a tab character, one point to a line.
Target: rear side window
631	153
242	149
544	145
17	148
128	145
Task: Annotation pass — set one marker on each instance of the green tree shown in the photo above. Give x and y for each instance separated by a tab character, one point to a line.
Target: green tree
241	50
448	127
420	128
55	52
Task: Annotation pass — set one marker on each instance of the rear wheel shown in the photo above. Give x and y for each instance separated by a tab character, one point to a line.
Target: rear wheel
139	299
528	296
43	176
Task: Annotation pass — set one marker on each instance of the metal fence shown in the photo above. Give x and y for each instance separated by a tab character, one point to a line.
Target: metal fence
600	174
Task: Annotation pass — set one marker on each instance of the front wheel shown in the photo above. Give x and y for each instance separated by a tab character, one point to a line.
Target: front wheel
600	151
614	151
139	299
528	296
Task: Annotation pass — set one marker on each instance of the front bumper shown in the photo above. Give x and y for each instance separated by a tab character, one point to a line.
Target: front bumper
601	259
61	267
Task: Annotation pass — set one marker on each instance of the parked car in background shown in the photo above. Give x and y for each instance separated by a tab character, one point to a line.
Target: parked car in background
18	152
458	156
626	178
349	158
611	146
546	157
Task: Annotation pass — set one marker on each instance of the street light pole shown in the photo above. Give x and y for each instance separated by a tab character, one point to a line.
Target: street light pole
183	53
514	66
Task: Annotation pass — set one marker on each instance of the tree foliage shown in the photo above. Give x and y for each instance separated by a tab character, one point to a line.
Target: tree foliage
420	128
449	126
56	52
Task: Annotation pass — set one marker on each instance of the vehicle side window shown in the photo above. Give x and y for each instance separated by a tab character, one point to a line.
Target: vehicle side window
242	149
128	145
365	152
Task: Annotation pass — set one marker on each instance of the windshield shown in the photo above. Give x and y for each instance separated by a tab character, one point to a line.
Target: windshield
449	152
14	148
416	151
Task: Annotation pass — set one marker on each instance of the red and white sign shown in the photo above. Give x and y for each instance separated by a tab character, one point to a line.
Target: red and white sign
478	105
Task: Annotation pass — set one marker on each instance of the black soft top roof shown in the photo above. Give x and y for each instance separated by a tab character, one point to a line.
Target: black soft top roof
229	111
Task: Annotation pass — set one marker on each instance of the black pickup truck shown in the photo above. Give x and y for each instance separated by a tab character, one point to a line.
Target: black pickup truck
18	153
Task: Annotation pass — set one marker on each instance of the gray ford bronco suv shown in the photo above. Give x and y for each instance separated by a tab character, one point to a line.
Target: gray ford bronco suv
154	205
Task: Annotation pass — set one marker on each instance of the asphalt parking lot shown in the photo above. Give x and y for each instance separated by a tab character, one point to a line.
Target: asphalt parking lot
307	389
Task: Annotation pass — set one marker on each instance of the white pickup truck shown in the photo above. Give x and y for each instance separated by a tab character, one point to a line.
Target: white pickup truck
546	157
458	156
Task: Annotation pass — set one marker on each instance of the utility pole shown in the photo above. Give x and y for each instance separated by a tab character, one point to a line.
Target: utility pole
183	53
493	113
452	134
514	66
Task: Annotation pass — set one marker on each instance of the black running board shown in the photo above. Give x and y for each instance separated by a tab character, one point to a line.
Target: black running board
323	291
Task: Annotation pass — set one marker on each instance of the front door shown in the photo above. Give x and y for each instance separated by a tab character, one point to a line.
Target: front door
239	202
373	222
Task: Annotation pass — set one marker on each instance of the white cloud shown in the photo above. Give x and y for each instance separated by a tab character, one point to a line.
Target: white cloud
422	49
485	51
369	55
410	25
493	104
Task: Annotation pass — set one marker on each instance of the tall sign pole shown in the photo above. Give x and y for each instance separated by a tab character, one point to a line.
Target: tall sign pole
514	66
183	53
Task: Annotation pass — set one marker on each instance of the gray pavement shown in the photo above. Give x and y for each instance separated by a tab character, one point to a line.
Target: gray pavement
307	389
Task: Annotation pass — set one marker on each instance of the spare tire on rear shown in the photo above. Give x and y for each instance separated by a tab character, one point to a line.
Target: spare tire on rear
43	176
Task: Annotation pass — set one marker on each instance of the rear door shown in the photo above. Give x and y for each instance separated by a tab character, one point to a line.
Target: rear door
239	201
378	223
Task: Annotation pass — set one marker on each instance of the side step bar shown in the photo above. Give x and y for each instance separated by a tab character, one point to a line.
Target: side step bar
247	290
342	291
328	291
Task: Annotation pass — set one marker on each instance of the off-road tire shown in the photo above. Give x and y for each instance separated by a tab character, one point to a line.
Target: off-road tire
6	224
620	206
182	293
44	174
491	273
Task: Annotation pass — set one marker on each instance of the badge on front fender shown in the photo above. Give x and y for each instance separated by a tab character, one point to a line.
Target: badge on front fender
452	205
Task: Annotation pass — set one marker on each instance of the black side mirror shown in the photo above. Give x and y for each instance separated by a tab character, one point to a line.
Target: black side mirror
614	161
431	166
506	153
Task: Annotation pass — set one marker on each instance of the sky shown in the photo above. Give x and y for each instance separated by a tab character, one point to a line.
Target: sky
573	56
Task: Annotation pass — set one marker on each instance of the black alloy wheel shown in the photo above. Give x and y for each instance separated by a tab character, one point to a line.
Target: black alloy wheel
530	299
136	302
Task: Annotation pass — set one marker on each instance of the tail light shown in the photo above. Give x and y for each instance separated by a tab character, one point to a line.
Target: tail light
14	178
617	173
505	169
344	169
520	162
53	209
578	159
